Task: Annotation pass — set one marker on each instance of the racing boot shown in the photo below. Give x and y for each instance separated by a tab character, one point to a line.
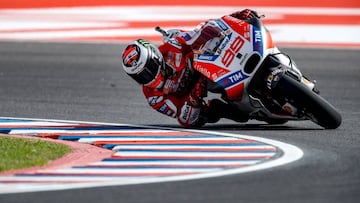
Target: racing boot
218	109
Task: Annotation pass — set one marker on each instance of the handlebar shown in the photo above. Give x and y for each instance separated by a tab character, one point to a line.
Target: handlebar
162	31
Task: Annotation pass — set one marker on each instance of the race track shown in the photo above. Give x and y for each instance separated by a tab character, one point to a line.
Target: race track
85	82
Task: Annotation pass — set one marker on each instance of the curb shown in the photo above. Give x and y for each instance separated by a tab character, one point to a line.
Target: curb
81	154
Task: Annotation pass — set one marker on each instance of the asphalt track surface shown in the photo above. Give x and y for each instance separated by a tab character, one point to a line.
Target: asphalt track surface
85	82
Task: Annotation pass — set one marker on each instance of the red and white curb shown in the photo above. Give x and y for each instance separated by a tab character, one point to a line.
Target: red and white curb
143	154
297	26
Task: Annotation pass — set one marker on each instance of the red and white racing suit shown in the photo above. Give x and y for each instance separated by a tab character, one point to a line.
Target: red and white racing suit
181	94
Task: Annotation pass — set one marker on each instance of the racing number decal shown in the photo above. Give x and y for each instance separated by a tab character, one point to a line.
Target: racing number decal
237	44
233	49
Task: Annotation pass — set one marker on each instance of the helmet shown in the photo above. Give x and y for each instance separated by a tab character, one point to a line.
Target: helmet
144	63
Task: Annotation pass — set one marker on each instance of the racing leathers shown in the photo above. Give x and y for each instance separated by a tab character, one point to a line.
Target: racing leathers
180	94
181	90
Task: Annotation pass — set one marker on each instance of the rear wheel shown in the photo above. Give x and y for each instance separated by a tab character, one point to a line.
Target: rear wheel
308	102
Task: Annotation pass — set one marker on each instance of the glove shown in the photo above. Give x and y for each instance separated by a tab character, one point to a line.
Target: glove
198	93
245	14
200	88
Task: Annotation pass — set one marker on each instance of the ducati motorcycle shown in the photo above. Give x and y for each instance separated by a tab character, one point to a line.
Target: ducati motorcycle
244	66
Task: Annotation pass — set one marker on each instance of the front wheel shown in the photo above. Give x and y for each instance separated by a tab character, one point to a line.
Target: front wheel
308	102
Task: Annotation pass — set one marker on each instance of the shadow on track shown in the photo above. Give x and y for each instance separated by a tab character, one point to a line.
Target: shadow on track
243	127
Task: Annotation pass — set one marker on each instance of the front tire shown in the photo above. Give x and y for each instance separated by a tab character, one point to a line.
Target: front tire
312	105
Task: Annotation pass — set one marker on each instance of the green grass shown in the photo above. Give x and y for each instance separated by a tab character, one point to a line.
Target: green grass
17	153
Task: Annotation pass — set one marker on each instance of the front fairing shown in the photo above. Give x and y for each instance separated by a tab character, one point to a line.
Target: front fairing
233	58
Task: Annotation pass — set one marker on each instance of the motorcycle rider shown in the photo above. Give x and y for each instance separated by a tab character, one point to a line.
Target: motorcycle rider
170	84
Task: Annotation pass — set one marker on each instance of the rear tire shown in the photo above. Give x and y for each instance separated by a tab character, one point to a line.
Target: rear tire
314	106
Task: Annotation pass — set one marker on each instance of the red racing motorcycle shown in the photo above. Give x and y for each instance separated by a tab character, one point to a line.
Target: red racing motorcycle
249	72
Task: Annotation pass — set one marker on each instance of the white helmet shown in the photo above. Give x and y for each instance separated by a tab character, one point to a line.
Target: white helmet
143	62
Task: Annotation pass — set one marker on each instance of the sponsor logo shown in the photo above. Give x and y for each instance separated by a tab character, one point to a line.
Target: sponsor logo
221	24
257	43
224	43
273	78
163	108
189	115
170	113
206	57
202	70
201	57
186	36
185	112
214	76
154	100
175	43
239	76
258	36
234	78
144	42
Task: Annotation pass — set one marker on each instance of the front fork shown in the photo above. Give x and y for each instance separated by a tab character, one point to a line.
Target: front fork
286	104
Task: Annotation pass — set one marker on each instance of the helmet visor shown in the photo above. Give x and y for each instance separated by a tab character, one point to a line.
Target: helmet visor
150	70
147	75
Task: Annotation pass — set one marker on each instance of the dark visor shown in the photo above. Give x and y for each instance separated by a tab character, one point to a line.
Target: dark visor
149	72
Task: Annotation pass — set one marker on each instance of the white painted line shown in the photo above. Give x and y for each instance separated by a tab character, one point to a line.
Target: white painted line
189	147
36	123
192	154
58	179
38	130
289	154
174	163
130	139
124	171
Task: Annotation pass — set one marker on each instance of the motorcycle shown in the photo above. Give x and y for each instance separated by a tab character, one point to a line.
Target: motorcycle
254	76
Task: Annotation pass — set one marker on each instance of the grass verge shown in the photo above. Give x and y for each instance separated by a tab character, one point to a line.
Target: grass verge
17	153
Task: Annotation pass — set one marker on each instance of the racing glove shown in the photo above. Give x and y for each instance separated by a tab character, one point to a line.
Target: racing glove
245	14
198	93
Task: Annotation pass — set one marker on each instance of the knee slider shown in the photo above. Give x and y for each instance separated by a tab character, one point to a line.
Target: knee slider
189	115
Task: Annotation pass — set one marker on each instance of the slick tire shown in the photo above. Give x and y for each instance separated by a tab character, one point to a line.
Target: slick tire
313	105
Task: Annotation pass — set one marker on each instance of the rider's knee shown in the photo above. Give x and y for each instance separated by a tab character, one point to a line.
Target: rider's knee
189	116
